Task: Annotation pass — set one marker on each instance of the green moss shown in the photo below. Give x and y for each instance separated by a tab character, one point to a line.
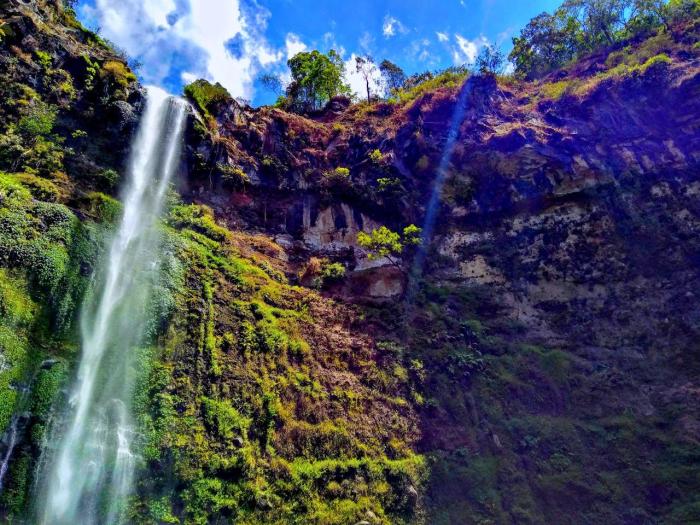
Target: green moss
40	188
198	218
224	420
207	95
103	207
118	73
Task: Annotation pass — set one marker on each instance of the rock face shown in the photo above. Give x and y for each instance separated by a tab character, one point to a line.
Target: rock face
566	248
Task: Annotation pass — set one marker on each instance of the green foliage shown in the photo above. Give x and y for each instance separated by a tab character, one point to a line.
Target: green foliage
207	96
338	180
197	218
233	176
40	188
583	26
393	76
384	243
44	59
103	207
376	156
38	120
117	74
546	43
221	418
490	61
414	88
45	391
332	273
316	78
18	311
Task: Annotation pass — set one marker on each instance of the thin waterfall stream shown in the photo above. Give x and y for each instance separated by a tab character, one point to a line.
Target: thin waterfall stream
88	471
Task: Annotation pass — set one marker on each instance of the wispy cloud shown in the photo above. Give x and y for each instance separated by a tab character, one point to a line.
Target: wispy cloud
393	26
366	41
179	40
442	37
466	51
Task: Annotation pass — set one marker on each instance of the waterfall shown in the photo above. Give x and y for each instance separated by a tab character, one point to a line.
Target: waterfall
91	459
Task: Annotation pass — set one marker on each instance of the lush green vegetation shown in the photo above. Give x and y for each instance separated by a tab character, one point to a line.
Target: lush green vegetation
316	78
207	96
579	27
384	243
227	406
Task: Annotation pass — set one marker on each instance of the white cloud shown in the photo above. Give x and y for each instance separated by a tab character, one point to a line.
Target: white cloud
392	26
442	37
293	45
420	50
467	50
187	39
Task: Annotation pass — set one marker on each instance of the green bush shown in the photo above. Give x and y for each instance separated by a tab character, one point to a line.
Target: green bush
38	120
197	218
332	273
221	418
41	189
206	95
450	78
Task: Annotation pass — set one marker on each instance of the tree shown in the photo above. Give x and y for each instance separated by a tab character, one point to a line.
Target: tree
600	20
366	67
316	78
490	61
272	83
682	10
416	79
383	243
393	75
545	43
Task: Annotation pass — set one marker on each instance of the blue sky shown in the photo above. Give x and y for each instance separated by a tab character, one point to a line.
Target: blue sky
234	41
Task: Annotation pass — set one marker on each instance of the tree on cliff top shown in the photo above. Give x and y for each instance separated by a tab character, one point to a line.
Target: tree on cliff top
550	41
316	78
394	77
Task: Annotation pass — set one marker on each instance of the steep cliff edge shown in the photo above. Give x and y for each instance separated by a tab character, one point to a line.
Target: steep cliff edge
538	363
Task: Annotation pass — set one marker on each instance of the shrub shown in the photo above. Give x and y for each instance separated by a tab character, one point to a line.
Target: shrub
38	120
221	418
118	73
376	156
338	179
450	78
206	95
44	59
41	189
332	273
233	176
197	218
104	208
555	90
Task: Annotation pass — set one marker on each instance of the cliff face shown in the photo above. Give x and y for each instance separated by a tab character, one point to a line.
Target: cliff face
536	362
556	322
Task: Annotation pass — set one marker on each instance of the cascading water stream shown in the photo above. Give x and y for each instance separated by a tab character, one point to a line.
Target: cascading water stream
88	475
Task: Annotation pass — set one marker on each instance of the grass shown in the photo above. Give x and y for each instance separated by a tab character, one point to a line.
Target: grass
450	79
